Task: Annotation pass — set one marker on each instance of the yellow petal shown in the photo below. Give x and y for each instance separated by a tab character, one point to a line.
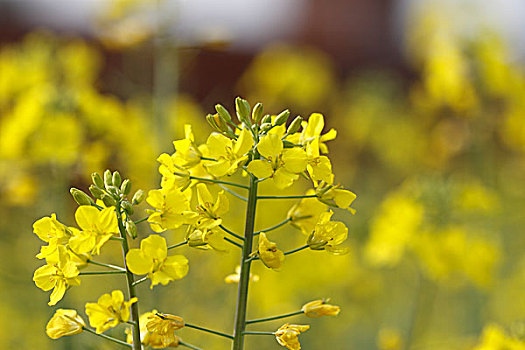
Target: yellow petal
138	263
260	168
270	146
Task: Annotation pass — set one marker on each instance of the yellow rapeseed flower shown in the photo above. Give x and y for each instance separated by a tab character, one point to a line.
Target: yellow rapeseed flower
335	196
152	259
229	155
268	252
109	311
318	308
287	334
210	210
162	328
187	153
97	226
155	340
206	238
328	235
172	209
305	214
57	276
64	322
312	130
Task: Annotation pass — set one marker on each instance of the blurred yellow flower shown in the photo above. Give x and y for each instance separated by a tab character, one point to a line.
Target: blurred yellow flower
389	339
268	253
287	334
229	155
57	276
494	338
152	259
328	235
97	226
305	214
64	322
235	277
318	308
109	311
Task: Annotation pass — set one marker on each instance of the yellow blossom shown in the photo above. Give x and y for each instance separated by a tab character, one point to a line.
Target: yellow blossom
210	211
235	277
318	308
494	338
57	276
268	252
50	230
287	334
163	326
109	311
173	176
312	130
319	167
64	322
206	238
172	209
335	196
305	214
229	155
187	154
97	226
328	235
152	259
155	340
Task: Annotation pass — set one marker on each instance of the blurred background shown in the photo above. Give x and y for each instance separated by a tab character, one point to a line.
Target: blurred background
428	97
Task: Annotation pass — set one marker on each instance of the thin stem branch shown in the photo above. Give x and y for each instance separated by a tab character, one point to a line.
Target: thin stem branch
143	279
177	245
288	197
284	222
130	281
141	220
116	239
296	249
258	333
233	193
214	181
107	337
114	267
87	273
208	330
225	229
233	242
206	158
188	345
264	319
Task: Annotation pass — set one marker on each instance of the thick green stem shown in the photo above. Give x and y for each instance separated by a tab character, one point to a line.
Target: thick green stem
208	330
107	337
244	279
131	286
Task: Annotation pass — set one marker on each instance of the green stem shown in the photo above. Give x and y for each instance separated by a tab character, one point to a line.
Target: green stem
214	181
177	245
244	279
274	317
284	222
130	280
225	229
189	345
233	242
206	158
87	273
141	220
233	193
208	330
118	268
296	249
116	239
288	197
258	333
107	337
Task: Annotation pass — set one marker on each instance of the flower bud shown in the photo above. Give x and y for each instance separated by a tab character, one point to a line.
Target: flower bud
318	308
266	126
223	113
113	190
131	229
127	207
242	108
125	188
314	243
138	197
108	200
108	178
97	192
117	180
80	197
282	117
266	119
257	112
97	180
64	322
295	125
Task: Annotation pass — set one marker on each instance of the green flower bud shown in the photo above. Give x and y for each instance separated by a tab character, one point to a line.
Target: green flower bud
108	200
266	126
242	108
108	178
125	188
117	180
97	180
223	113
295	125
131	229
282	117
80	197
221	124
257	112
127	207
138	197
213	124
97	192
266	119
113	190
